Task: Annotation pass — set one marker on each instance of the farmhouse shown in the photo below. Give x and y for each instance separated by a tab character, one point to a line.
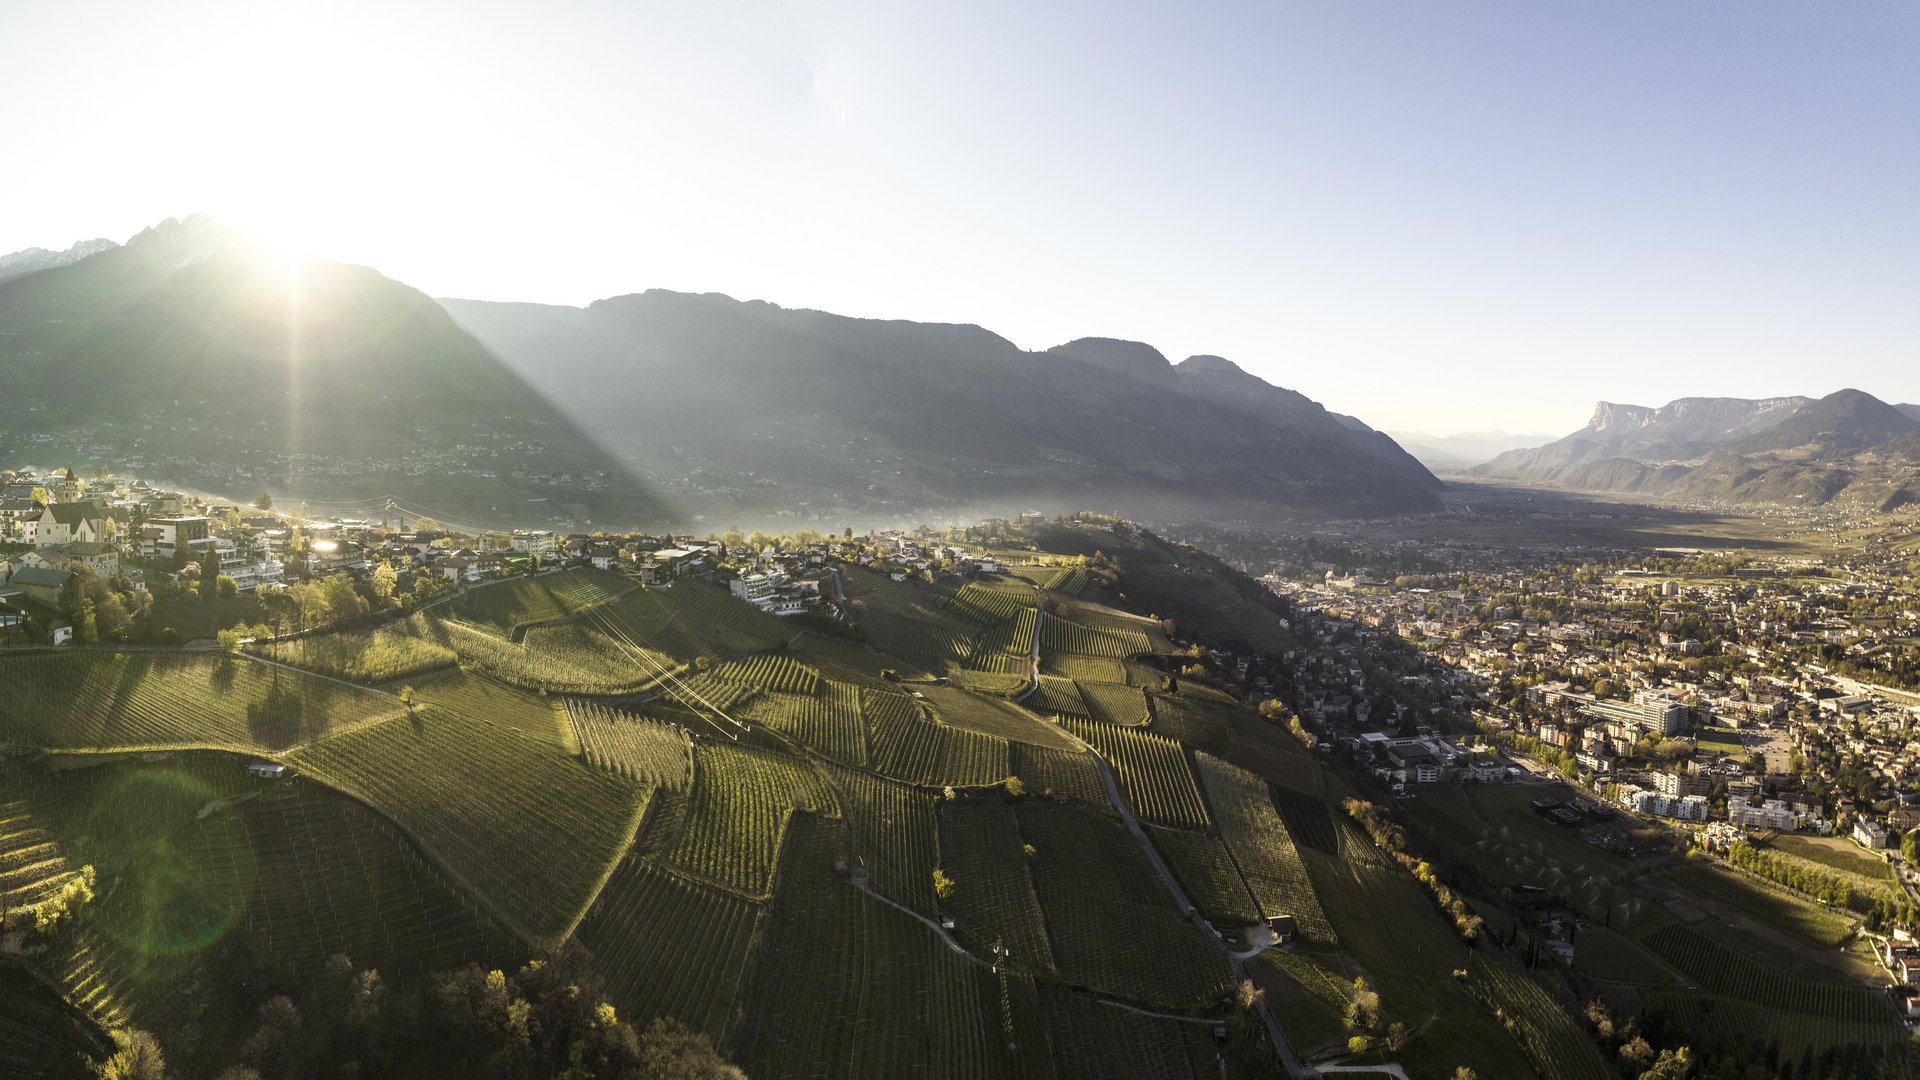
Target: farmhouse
45	586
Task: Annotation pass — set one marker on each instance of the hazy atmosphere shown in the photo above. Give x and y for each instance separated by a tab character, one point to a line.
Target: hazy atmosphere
1343	198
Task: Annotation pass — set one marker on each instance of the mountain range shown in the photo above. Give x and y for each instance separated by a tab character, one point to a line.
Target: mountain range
197	354
1848	448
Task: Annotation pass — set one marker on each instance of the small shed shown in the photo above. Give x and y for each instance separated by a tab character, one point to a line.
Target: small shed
1283	927
62	632
266	770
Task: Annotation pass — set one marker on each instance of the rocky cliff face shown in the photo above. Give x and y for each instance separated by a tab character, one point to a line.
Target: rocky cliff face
1848	446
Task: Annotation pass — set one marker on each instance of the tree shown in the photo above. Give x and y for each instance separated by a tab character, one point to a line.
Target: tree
383	581
209	575
942	884
86	629
1357	1044
1636	1054
114	618
264	502
1465	1073
1015	786
136	1056
1671	1065
225	588
671	1052
1396	1036
1250	994
1910	847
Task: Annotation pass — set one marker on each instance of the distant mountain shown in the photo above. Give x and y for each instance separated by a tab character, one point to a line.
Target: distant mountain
31	259
727	397
1911	411
196	355
1847	447
1458	451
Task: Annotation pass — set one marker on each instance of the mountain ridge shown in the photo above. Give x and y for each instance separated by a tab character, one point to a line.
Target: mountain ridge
954	411
1848	447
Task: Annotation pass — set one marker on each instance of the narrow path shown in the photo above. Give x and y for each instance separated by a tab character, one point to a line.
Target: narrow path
945	934
311	674
1294	1066
1033	660
1389	1070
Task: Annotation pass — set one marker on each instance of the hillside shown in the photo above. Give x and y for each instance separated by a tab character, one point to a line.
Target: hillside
730	819
1848	448
866	416
195	355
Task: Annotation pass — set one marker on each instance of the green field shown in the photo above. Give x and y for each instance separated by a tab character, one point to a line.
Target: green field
1835	854
1766	902
363	656
509	605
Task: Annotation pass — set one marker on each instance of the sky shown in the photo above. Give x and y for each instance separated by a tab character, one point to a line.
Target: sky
1438	217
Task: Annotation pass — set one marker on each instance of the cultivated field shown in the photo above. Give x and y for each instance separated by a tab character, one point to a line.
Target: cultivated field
106	701
531	831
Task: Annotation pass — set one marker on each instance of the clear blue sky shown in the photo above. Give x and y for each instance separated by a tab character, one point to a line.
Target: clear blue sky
1438	216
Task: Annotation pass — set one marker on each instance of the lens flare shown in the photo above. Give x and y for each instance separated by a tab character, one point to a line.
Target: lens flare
183	864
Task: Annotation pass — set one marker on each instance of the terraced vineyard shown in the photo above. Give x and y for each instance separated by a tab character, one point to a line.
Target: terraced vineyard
1208	874
991	716
1059	635
40	1033
1092	879
1552	1041
741	804
103	700
774	672
640	749
921	1009
1114	704
1723	971
1046	771
669	947
893	837
993	899
33	864
480	698
569	659
1262	846
828	721
1057	696
322	875
1094	1040
919	751
531	831
1152	772
1065	580
1083	669
509	605
366	656
995	601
